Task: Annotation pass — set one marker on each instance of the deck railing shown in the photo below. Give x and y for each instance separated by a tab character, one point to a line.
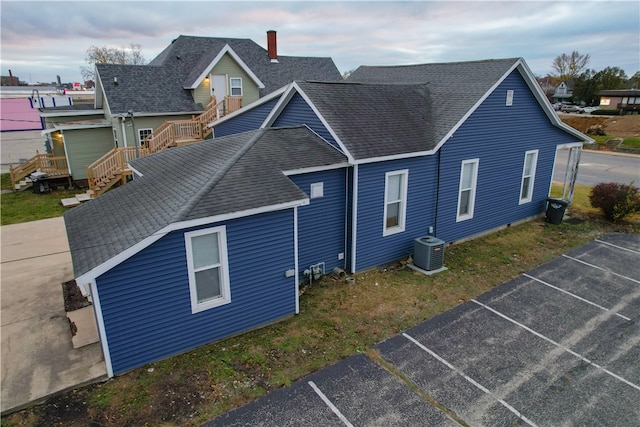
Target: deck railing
212	113
48	163
114	164
170	133
111	167
233	103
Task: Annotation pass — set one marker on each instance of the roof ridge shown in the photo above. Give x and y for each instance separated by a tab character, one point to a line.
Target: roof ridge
422	64
217	177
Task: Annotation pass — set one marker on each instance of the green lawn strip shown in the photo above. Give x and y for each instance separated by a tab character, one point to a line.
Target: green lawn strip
633	142
25	206
5	181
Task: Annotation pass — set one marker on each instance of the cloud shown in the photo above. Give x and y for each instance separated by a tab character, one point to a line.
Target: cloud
47	38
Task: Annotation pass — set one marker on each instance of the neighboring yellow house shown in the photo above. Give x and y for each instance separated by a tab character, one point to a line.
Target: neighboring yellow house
131	101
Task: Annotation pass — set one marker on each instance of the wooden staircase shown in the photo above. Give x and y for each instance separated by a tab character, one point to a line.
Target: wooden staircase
54	167
113	167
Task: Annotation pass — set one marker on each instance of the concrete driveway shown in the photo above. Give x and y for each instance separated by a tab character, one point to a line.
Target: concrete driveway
38	358
557	346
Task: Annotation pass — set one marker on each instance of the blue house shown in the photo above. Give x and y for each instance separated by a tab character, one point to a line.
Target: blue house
213	239
207	241
452	150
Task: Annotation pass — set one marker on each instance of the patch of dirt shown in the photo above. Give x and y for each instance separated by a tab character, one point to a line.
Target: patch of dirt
620	126
67	409
177	399
73	298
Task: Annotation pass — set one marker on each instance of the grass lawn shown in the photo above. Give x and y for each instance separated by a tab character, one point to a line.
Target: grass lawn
631	142
25	206
336	320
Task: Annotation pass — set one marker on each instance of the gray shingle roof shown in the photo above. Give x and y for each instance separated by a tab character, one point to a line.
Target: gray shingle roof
376	120
451	90
215	177
159	86
144	89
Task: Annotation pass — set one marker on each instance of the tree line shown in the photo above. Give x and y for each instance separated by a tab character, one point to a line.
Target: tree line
587	83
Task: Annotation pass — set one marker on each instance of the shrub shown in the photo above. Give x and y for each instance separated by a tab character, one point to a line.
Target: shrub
605	113
615	200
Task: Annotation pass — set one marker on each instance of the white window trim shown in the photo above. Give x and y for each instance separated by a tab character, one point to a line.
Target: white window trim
140	139
402	214
472	196
231	79
225	289
115	138
316	190
533	175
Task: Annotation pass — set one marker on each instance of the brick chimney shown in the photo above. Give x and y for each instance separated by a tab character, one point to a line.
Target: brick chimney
272	49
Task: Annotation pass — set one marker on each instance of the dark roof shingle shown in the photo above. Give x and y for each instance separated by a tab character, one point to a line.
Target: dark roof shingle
395	110
220	176
159	86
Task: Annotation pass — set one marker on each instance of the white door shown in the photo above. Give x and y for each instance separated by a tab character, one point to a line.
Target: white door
218	86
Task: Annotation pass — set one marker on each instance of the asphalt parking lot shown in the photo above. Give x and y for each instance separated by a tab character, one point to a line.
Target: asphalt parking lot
559	345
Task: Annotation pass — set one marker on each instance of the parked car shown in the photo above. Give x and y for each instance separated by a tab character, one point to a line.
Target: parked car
589	110
571	109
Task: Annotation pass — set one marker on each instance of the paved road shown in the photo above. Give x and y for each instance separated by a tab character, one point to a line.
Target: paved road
596	167
556	346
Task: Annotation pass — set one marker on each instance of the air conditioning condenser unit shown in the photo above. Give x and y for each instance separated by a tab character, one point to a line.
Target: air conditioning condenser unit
428	253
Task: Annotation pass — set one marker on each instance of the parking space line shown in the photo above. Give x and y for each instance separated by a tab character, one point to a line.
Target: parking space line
568	350
331	406
600	268
616	246
468	378
574	295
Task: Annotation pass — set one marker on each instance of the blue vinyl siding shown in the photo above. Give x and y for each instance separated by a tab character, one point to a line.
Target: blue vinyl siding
499	136
372	247
298	112
321	224
250	120
145	300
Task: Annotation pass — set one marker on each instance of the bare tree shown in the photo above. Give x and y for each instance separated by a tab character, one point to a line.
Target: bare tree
572	65
131	55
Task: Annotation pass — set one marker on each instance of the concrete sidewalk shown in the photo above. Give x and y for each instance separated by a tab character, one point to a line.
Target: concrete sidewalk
38	358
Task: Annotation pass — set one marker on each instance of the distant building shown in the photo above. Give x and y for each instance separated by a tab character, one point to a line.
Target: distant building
563	92
627	101
10	81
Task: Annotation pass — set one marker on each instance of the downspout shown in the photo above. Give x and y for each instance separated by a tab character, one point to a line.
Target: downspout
295	258
435	219
354	218
124	133
346	216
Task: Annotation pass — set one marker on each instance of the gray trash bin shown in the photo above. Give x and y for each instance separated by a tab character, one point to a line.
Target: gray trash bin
555	210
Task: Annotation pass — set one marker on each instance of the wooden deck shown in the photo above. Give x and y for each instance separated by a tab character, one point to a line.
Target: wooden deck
53	166
112	168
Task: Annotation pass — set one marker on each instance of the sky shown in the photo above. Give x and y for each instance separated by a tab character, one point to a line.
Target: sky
40	40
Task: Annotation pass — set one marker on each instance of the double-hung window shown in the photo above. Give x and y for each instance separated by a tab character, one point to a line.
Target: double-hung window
235	86
467	189
208	268
395	201
528	175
